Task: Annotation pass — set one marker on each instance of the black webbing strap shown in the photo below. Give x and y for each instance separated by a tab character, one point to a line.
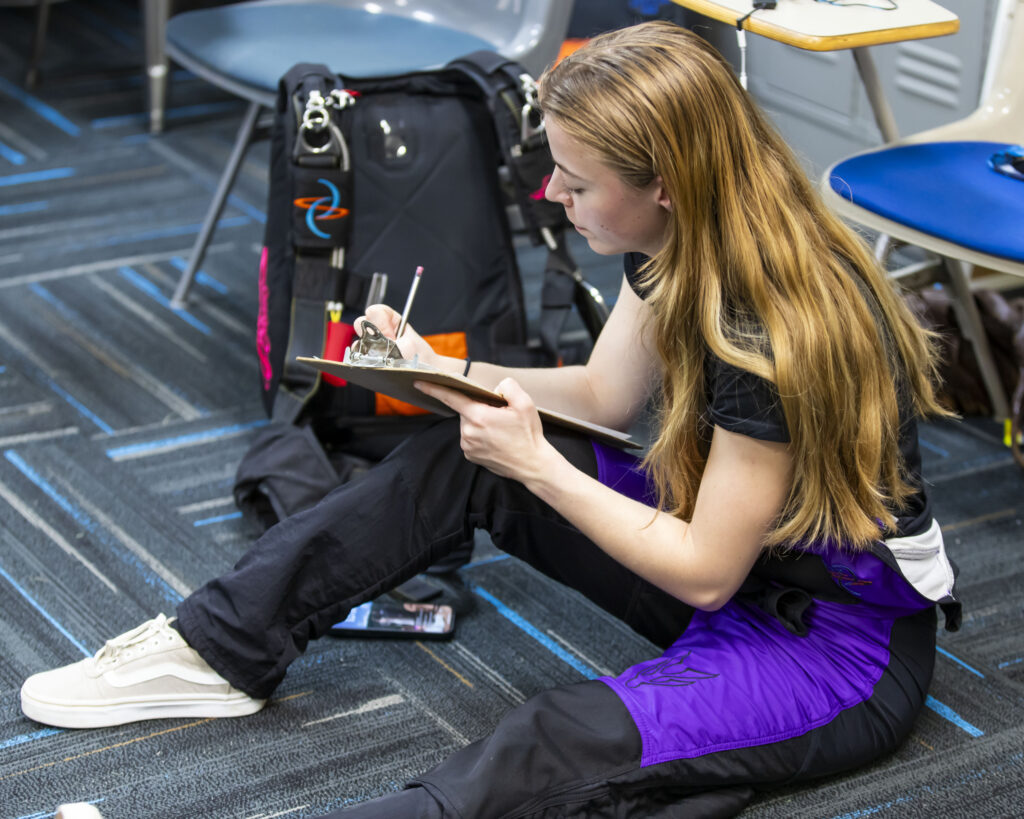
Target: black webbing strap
306	338
564	286
320	190
521	138
316	287
507	88
556	300
315	284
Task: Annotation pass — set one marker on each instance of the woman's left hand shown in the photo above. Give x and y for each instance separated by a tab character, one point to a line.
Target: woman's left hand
509	440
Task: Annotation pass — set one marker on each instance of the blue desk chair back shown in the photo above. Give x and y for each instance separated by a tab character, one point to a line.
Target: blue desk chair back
245	48
953	190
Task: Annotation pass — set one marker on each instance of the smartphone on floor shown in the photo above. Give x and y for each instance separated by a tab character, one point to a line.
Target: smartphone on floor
387	617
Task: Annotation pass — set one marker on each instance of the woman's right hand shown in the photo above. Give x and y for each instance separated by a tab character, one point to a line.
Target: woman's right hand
386	319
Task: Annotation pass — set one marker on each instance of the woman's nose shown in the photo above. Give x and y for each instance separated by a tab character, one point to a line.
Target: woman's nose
555	191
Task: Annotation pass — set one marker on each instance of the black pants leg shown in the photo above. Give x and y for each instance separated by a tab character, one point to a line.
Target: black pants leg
367	537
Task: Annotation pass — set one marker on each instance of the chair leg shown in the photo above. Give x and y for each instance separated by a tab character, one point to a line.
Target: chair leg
883	244
914	275
38	39
971	325
155	14
876	96
227	181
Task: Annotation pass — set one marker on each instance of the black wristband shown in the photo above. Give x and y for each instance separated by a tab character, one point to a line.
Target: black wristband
465	370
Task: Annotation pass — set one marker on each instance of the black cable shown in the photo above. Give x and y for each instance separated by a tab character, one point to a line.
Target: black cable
842	4
758	5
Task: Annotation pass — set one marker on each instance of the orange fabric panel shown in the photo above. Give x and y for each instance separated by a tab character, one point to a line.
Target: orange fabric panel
386	405
450	344
568	47
453	344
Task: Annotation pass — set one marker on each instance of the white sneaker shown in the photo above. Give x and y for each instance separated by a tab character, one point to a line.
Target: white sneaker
147	673
78	810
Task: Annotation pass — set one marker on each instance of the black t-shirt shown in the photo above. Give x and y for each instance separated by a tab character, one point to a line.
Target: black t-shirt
742	402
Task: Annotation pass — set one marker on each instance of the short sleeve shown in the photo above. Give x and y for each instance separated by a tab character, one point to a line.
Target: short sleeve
742	402
631	264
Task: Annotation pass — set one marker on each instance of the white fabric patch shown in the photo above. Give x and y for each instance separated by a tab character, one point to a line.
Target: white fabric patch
922	559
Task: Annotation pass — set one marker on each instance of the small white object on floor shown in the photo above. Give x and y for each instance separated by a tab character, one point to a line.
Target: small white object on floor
78	810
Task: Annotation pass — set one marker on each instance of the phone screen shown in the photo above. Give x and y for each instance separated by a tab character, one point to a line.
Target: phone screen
390	618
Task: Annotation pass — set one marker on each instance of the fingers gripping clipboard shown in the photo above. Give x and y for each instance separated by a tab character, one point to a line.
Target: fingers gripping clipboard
384	371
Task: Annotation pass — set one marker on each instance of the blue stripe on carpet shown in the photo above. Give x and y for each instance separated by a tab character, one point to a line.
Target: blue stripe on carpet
38	107
46	615
11	155
945	653
133	450
946	712
151	290
23	207
36	176
520	621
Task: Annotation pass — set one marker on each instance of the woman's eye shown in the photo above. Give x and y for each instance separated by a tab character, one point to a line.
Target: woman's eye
574	191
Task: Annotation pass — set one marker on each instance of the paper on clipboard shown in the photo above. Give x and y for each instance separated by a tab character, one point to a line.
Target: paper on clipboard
397	382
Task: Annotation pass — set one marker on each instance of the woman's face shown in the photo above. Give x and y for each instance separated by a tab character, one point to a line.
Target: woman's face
611	215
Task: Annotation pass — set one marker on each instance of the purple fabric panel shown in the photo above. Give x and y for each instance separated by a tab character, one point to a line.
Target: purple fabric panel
737	678
866	576
621	471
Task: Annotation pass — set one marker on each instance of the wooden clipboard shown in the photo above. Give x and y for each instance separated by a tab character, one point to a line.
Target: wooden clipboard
398	383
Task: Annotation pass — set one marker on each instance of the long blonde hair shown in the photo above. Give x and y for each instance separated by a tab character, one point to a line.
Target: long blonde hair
756	271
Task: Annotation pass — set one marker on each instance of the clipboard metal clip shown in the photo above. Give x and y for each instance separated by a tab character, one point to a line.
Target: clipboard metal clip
374	349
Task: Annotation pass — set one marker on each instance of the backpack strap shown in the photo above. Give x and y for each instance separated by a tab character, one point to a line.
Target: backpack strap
564	287
511	95
556	298
310	102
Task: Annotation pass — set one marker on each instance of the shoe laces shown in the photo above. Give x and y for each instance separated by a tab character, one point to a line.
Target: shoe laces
125	646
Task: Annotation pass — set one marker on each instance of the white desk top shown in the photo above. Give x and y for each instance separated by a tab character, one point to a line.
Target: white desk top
818	26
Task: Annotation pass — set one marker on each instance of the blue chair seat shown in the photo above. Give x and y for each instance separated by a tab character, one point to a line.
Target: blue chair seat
944	189
255	45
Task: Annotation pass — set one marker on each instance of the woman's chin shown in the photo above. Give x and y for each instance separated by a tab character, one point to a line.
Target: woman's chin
599	247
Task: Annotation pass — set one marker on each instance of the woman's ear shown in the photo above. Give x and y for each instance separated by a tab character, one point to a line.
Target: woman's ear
661	194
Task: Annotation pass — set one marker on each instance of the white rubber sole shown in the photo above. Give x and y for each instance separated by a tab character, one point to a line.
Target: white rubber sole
120	713
78	810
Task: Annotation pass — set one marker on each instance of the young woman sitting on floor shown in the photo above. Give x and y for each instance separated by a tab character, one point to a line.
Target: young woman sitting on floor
776	540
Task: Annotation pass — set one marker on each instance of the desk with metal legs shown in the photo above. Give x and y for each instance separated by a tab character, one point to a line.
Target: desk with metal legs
823	26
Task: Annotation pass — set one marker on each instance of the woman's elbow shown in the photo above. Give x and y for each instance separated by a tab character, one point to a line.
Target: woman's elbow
711	600
706	598
707	578
708	593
